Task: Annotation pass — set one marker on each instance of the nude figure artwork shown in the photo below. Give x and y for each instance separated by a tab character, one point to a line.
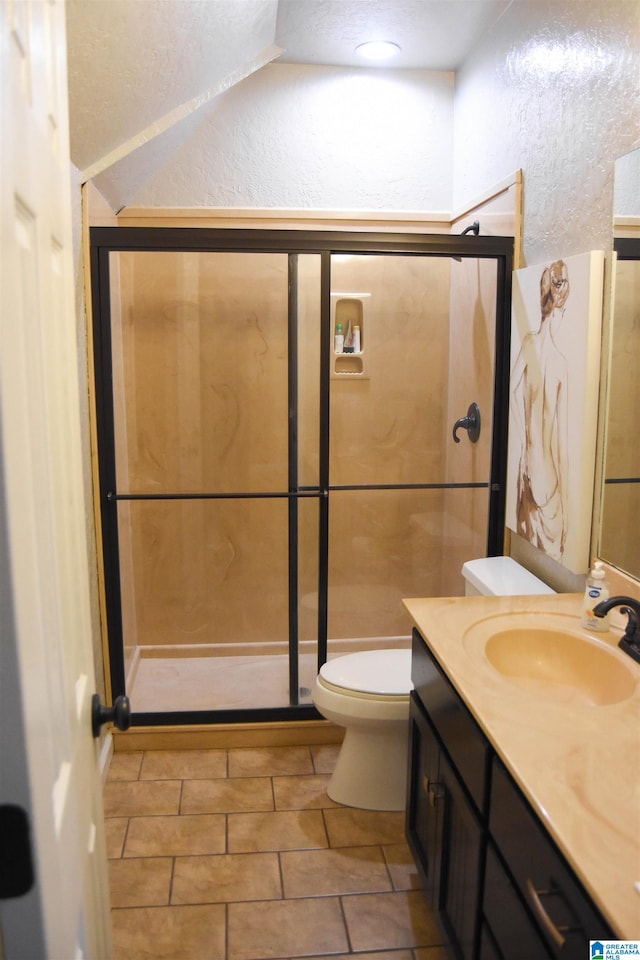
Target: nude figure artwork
539	410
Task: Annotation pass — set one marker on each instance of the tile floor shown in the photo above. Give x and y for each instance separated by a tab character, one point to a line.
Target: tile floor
239	854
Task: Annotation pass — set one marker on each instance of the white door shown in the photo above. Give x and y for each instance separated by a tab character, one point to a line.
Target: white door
47	753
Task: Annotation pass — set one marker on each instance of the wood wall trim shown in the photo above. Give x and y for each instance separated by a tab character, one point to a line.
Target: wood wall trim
228	735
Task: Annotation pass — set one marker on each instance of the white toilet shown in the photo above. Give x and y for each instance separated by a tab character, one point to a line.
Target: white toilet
500	577
368	694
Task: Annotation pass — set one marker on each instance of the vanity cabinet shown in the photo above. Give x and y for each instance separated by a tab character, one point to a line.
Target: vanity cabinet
445	836
497	882
561	909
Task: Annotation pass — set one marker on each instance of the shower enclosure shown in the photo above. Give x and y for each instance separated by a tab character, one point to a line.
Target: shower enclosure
266	502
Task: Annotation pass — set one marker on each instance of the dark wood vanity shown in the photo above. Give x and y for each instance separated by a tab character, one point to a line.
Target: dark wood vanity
501	888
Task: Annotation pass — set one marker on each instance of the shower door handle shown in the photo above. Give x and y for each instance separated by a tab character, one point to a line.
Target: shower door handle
470	423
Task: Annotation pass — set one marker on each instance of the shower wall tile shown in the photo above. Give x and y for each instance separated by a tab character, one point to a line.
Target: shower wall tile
175	836
227	796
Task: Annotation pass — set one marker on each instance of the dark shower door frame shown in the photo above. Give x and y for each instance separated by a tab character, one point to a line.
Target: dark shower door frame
105	240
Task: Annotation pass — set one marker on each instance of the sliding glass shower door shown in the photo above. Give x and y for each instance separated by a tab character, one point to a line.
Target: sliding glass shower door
407	503
267	502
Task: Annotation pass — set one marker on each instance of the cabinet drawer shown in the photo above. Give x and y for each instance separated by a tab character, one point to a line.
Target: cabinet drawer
563	910
514	931
461	737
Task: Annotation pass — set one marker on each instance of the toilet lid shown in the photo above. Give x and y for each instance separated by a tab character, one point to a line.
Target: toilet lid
371	671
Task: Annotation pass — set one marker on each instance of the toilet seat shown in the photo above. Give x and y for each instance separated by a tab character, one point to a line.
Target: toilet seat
370	674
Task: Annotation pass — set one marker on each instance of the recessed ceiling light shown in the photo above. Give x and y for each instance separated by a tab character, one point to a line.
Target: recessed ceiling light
377	50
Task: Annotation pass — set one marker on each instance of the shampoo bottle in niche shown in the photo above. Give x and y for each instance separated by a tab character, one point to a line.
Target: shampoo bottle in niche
596	589
338	344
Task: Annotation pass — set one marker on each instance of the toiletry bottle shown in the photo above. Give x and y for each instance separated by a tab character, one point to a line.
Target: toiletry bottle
348	339
356	338
596	589
338	345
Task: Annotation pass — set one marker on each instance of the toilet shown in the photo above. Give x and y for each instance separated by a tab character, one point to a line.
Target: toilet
368	694
500	577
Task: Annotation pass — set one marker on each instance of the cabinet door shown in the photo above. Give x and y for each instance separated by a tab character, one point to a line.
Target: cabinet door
462	840
488	947
425	810
445	837
466	745
564	913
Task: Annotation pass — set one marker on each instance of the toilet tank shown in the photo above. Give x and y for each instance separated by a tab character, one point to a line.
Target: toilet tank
500	577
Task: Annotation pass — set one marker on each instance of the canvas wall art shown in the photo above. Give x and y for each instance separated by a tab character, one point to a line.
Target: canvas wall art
556	331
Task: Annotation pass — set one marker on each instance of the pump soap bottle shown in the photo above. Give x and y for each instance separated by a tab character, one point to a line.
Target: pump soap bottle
338	345
596	589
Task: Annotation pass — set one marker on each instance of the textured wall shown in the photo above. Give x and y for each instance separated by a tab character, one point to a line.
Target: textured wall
554	91
317	137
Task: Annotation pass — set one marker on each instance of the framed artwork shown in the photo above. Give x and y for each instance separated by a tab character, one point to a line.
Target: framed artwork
556	328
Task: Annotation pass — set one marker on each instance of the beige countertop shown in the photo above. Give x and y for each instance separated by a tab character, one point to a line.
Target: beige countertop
578	764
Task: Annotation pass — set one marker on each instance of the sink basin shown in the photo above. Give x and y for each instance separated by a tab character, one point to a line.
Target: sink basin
555	663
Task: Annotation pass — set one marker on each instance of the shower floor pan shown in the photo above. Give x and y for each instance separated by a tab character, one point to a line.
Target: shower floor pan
209	678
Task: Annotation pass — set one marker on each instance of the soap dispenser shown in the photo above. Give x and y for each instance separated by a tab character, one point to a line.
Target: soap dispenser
596	589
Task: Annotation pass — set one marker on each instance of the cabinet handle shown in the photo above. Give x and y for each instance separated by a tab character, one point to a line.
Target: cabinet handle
433	790
555	932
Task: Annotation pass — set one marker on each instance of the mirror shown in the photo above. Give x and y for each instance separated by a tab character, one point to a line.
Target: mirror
620	526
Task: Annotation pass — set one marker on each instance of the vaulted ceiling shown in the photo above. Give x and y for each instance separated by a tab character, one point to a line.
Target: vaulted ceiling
140	70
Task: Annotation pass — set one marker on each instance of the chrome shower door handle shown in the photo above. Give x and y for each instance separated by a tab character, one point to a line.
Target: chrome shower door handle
470	423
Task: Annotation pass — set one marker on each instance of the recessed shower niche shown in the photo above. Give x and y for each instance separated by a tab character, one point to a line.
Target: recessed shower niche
351	331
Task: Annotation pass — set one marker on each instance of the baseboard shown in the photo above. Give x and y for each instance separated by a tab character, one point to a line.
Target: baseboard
105	755
221	736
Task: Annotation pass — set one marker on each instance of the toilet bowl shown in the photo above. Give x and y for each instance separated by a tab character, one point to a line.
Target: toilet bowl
368	694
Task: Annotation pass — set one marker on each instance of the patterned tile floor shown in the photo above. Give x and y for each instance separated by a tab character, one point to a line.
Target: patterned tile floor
239	854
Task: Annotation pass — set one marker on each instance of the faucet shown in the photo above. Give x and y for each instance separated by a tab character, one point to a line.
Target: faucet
630	641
